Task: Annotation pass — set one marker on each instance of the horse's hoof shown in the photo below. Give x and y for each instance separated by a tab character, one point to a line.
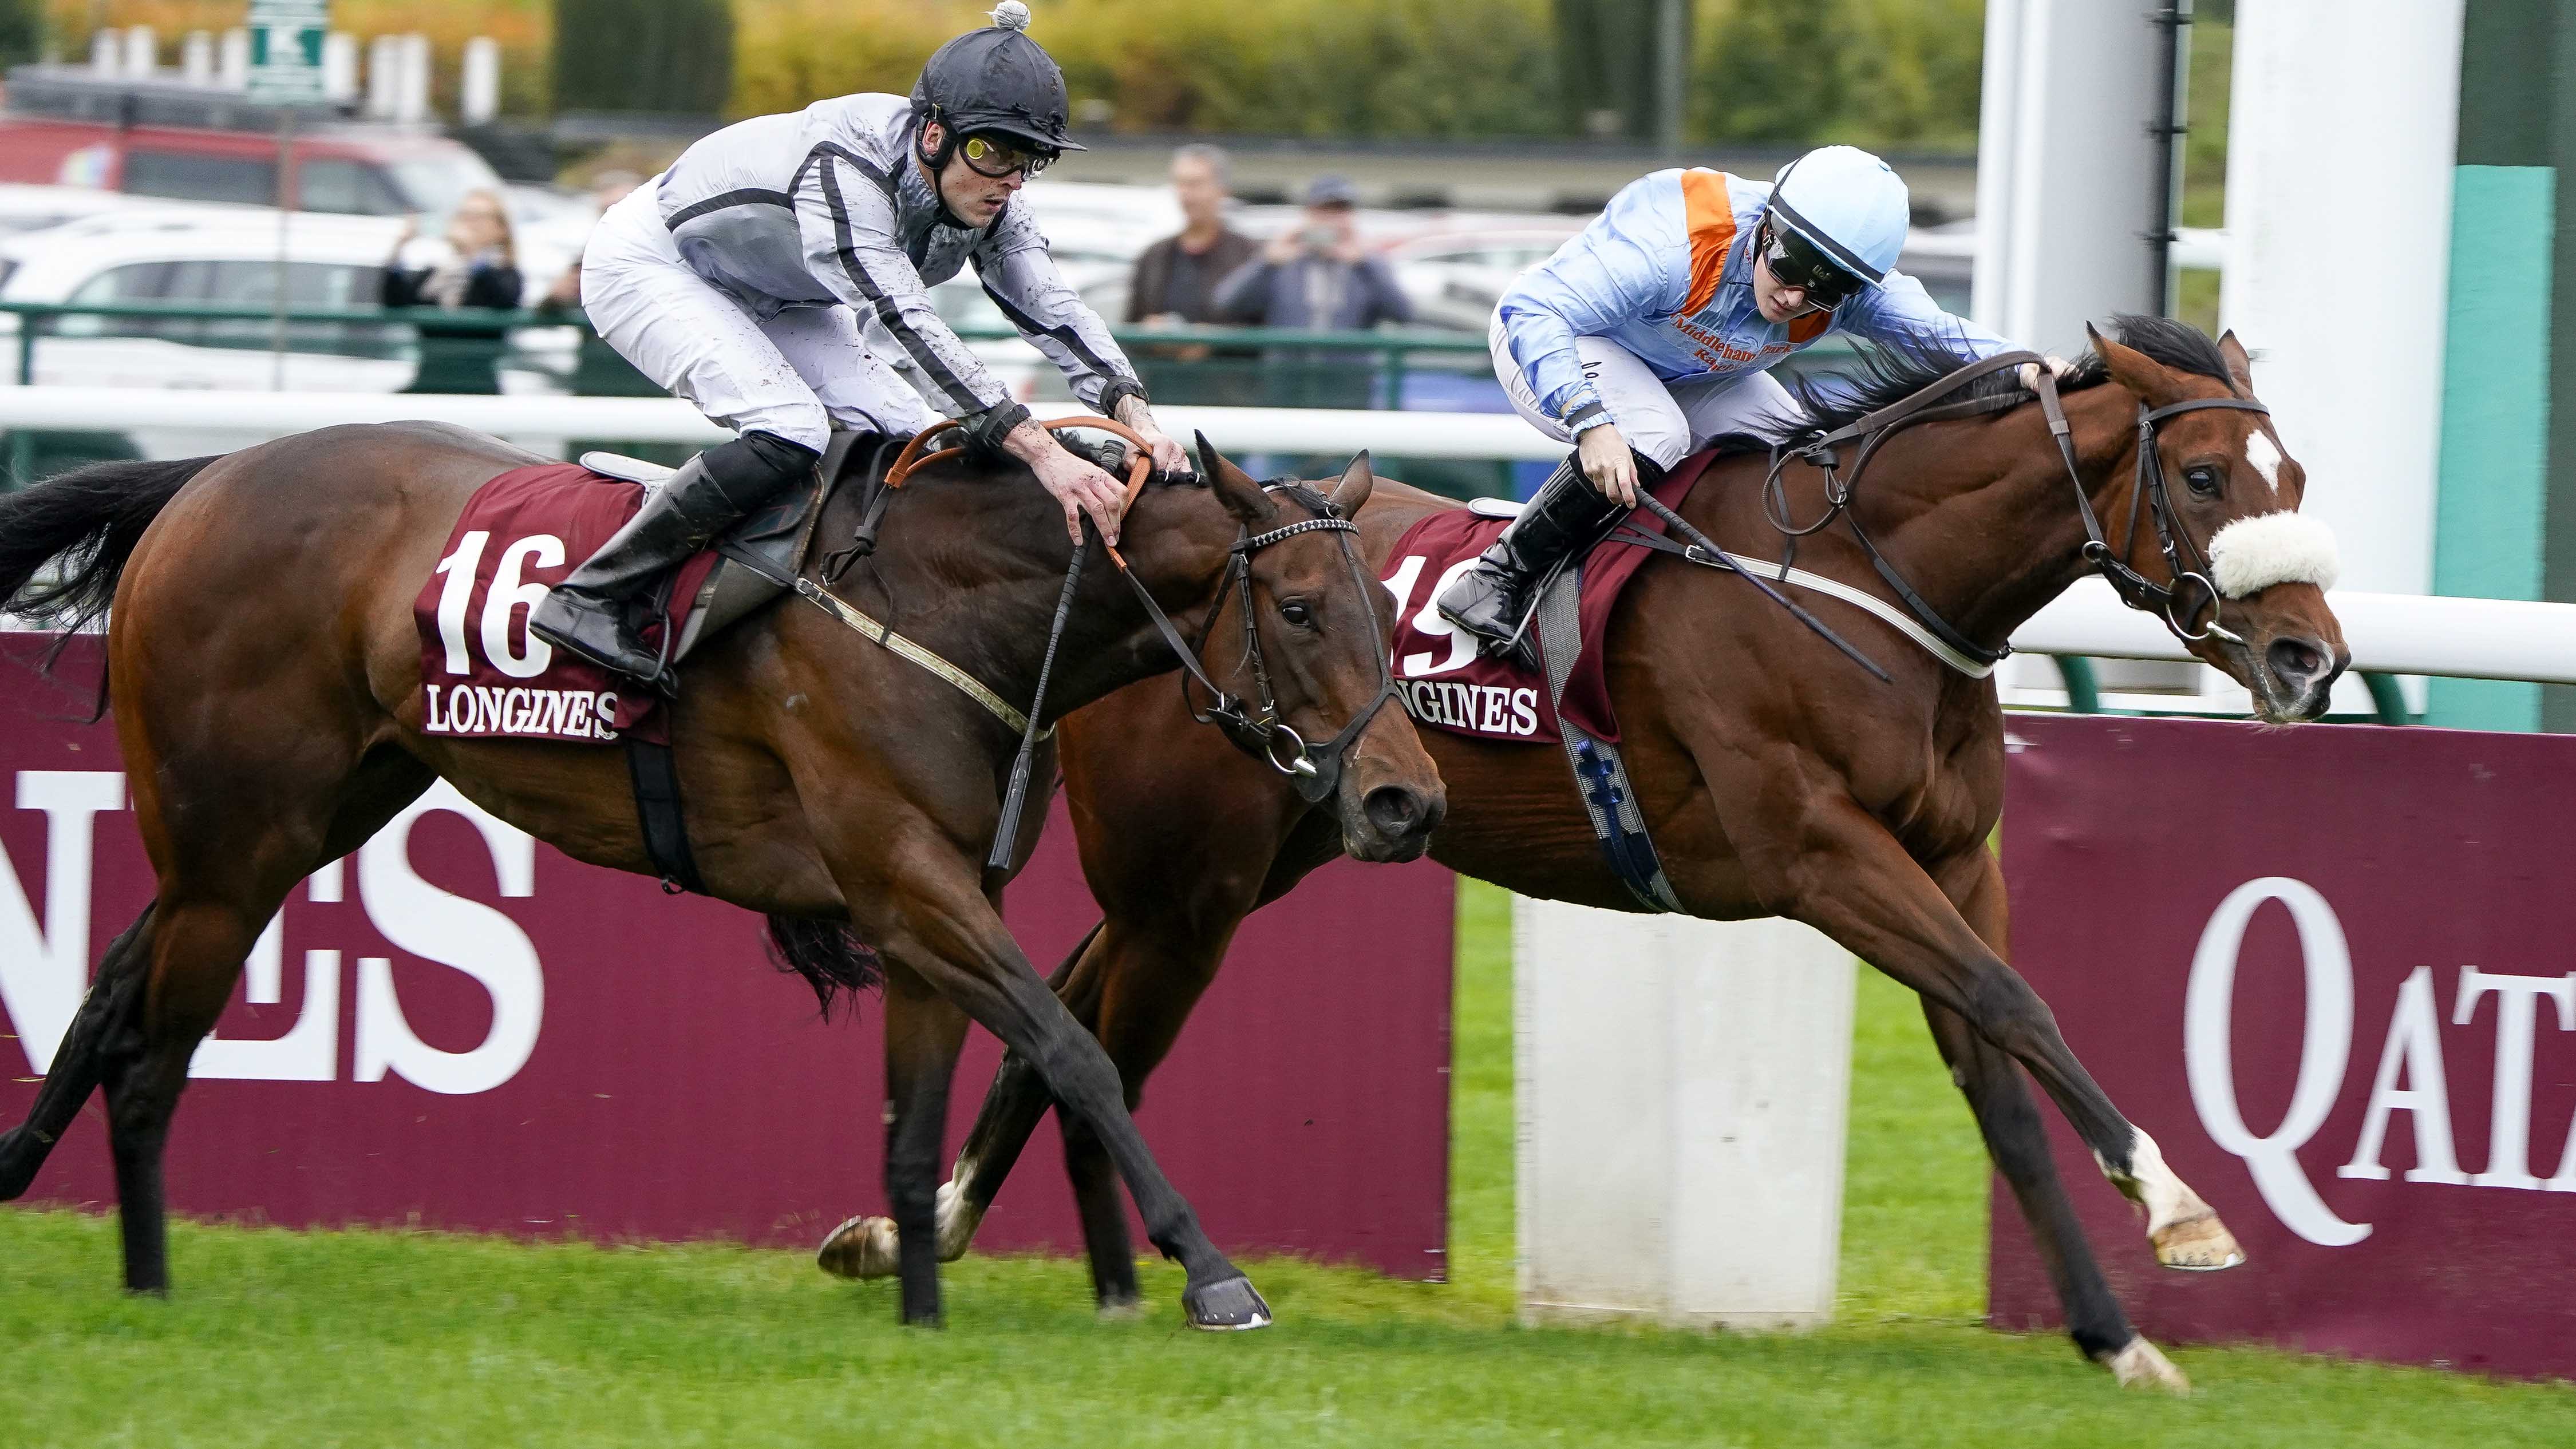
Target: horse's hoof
862	1247
1226	1306
2200	1244
2140	1365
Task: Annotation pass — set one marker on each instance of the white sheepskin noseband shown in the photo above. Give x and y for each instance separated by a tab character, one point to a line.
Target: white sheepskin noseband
2252	554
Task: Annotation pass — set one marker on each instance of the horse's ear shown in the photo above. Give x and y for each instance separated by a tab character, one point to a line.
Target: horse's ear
2140	374
2239	365
1236	489
1352	493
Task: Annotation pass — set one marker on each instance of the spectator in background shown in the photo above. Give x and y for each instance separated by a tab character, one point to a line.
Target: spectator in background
1316	276
1175	281
481	270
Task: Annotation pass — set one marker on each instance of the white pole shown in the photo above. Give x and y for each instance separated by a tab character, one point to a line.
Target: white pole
197	58
142	56
1681	1093
340	67
411	90
384	76
106	55
232	67
481	90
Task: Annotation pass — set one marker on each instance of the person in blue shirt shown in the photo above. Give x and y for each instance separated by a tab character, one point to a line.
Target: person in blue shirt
1648	334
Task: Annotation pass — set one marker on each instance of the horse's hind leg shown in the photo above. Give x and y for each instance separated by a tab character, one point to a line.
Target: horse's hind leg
224	874
79	1062
2008	1119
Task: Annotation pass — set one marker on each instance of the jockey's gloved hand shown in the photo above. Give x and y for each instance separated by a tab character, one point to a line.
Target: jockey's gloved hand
1169	460
1077	483
1607	463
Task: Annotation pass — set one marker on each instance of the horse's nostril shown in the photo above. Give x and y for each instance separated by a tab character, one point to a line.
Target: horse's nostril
1393	810
2296	660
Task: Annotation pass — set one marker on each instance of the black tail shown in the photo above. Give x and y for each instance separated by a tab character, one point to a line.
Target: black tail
825	953
91	518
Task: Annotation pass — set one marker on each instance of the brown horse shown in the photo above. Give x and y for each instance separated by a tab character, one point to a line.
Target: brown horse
265	677
1778	778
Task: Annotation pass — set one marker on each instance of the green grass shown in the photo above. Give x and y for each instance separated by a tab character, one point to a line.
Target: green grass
407	1339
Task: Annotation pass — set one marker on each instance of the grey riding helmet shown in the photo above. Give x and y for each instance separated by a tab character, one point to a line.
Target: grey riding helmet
996	81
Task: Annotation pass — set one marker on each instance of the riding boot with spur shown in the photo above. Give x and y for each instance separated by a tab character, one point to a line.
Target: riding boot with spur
591	611
1563	521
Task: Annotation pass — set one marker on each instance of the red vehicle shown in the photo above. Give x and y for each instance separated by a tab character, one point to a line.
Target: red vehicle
68	126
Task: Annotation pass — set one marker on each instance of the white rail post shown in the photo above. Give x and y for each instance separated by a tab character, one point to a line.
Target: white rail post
340	67
480	91
232	62
1681	1087
384	76
197	58
411	91
105	53
142	52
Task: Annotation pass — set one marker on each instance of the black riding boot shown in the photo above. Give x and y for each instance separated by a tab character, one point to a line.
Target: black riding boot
1566	518
590	612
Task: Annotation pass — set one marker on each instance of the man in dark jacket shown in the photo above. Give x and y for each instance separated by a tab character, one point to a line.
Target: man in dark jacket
1175	280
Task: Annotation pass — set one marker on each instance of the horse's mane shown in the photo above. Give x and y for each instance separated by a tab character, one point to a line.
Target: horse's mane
1889	370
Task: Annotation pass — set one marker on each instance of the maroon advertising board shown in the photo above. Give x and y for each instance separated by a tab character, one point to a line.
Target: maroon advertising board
458	1027
2329	970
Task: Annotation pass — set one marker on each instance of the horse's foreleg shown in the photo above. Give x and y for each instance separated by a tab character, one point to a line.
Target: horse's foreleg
946	930
923	1035
1855	883
2008	1119
80	1061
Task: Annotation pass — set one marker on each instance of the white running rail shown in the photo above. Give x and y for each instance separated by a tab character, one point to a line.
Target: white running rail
2389	633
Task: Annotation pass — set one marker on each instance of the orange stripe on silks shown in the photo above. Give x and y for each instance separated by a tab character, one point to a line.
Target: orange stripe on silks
1803	330
1711	219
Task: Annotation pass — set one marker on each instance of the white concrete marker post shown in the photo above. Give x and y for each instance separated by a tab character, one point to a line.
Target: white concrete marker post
1681	1096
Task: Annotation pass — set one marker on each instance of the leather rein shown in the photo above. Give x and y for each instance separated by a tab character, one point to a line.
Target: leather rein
1314	769
2180	604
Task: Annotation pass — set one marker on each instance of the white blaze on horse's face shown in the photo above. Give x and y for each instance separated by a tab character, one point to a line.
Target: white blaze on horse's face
2265	455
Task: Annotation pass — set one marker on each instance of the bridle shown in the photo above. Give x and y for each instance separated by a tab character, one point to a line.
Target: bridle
2179	604
1314	769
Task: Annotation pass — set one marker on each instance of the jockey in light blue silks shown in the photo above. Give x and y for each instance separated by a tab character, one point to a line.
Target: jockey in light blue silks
1647	335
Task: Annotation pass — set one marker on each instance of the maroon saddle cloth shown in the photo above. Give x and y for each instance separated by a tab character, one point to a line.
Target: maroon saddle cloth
1439	675
483	674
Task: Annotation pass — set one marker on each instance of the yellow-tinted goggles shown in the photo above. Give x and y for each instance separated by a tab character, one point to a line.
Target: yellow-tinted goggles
998	159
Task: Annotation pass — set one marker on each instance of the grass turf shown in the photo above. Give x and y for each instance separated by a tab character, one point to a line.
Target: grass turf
305	1339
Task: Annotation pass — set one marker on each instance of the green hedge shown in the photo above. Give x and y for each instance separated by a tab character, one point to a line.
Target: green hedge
667	56
1899	74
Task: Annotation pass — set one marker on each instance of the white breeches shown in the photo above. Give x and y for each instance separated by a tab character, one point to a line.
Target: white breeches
1666	422
794	375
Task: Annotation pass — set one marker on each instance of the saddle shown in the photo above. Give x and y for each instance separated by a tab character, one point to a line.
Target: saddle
771	543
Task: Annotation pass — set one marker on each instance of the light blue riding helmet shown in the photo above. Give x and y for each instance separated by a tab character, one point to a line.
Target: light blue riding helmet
1848	204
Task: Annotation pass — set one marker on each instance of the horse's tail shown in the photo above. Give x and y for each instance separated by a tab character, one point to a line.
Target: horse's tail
91	518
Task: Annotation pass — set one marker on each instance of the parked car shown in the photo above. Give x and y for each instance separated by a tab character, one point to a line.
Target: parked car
180	255
68	126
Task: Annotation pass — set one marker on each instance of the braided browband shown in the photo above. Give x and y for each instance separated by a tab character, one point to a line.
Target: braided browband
1311	525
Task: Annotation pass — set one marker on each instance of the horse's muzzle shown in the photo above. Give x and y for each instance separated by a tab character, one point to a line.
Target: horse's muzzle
2302	672
1395	822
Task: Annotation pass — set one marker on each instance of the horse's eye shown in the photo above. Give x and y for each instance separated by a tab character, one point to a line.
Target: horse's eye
2204	480
1296	612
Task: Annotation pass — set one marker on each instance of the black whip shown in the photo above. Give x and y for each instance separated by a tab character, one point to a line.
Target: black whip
1006	838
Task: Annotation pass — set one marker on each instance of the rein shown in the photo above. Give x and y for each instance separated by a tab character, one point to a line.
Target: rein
1314	769
2188	563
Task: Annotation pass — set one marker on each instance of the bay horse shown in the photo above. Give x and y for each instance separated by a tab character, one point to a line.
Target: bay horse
1778	778
265	676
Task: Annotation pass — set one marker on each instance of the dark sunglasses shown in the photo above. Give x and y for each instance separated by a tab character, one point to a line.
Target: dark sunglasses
1795	262
998	159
